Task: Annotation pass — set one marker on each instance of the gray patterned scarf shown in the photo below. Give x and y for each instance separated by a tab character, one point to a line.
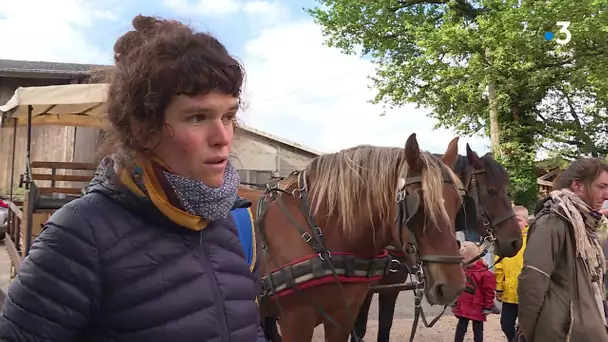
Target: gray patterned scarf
198	199
585	222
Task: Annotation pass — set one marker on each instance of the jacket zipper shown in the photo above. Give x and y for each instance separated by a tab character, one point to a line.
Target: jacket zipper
216	290
569	334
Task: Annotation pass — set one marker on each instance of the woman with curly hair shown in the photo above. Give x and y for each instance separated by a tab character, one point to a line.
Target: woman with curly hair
150	253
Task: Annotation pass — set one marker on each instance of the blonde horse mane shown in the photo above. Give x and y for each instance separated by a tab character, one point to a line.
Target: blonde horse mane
344	180
433	171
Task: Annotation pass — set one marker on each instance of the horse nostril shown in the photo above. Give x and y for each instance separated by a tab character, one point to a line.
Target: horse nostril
439	291
516	244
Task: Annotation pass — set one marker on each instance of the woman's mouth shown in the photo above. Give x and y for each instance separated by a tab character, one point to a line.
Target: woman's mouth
218	162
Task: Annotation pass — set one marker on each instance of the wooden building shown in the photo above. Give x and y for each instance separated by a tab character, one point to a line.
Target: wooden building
50	143
546	172
258	156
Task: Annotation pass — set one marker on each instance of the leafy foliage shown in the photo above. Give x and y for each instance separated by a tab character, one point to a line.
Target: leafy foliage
442	54
575	124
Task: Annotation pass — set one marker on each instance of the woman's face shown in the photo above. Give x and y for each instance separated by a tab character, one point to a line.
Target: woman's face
197	136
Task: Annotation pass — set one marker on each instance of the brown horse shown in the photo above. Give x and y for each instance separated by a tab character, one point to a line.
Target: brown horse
485	181
322	233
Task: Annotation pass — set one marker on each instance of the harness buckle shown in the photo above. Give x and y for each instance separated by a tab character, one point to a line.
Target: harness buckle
307	238
299	194
400	196
321	255
418	300
394	265
412	249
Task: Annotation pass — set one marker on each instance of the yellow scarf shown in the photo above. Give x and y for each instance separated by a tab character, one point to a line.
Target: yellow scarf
159	199
157	194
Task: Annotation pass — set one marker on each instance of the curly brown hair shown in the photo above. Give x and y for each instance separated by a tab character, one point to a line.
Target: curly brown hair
157	60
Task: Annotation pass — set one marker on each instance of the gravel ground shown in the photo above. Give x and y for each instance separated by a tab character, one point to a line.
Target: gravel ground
443	331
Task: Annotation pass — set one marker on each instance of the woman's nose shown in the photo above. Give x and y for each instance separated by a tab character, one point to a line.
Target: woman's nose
220	134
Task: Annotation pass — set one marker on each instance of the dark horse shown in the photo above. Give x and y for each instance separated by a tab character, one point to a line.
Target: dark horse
486	181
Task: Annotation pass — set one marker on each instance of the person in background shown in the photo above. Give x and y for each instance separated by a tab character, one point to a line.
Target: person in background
507	271
151	253
561	290
474	307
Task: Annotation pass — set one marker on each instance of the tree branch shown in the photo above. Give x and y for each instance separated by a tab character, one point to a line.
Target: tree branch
462	6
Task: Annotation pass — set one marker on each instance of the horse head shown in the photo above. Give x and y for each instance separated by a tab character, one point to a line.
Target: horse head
428	205
486	181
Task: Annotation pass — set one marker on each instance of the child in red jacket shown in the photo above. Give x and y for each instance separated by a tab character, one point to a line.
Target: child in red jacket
474	307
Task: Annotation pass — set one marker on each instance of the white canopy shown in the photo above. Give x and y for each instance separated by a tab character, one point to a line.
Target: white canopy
65	105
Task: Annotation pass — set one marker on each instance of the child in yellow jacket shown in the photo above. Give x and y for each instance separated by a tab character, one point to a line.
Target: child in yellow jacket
507	271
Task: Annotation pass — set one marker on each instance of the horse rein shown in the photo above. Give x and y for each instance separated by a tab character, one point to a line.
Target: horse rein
471	189
405	212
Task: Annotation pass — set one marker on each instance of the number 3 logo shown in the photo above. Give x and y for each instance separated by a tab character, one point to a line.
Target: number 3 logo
564	29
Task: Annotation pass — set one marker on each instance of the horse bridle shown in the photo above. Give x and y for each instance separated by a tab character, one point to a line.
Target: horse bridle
490	225
408	204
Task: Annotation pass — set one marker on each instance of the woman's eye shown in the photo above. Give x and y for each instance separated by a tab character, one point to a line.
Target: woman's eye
197	118
229	118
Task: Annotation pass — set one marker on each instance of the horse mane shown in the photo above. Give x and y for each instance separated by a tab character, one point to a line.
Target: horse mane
496	172
433	179
340	182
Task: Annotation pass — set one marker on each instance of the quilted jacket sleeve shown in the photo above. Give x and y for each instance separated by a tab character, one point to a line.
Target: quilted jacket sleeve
57	287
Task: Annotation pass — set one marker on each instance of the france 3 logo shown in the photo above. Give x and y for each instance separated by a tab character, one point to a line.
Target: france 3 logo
563	35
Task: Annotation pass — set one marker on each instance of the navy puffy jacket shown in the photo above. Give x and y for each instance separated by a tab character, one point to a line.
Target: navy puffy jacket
110	267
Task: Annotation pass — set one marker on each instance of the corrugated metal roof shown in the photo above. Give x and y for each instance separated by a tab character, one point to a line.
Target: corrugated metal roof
9	65
279	139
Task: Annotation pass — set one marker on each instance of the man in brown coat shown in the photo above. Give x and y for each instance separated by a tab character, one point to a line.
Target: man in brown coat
561	290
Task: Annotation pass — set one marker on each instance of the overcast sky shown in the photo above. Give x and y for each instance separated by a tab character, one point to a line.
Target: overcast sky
296	88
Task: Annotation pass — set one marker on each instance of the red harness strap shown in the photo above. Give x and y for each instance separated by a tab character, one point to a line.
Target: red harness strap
311	271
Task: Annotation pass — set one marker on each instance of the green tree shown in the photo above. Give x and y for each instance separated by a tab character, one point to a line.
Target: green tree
576	124
445	54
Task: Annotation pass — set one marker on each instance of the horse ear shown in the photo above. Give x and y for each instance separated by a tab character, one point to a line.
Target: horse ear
412	153
473	158
450	155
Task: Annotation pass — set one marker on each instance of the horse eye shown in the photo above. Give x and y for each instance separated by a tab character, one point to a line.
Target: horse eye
492	192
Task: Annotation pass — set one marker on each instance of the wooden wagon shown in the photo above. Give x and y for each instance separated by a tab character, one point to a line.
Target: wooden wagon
547	171
48	185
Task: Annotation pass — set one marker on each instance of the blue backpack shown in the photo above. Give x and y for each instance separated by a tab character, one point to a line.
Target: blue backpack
243	218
